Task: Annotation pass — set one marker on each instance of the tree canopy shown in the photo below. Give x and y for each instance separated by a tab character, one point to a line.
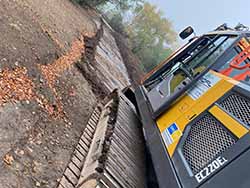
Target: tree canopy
121	5
151	35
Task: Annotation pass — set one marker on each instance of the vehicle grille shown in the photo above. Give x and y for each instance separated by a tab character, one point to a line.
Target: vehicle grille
206	139
238	106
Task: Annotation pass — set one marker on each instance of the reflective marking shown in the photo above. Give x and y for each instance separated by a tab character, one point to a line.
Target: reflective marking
171	134
203	85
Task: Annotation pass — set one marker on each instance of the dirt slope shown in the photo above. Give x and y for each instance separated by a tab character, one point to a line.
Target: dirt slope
49	86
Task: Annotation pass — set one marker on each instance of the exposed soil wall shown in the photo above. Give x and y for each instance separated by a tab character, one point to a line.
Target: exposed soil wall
50	80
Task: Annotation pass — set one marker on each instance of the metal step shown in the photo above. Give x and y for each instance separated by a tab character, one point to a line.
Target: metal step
115	155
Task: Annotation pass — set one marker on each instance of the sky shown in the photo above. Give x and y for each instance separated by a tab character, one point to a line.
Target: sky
204	15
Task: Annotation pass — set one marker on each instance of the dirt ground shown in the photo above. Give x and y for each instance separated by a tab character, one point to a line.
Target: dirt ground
45	99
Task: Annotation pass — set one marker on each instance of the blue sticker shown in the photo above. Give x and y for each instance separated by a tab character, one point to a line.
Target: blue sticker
171	134
172	128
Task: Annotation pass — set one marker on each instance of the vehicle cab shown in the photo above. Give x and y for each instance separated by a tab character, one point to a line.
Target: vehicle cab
196	112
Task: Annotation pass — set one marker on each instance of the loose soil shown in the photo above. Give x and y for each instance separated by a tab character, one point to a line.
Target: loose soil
57	61
48	86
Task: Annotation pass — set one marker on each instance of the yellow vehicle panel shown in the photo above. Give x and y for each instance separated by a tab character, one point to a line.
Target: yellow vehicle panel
187	108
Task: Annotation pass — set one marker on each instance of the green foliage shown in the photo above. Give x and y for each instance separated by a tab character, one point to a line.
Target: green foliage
151	57
116	22
121	5
116	12
127	5
91	2
151	36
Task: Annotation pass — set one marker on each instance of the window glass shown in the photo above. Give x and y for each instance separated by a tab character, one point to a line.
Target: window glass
191	63
206	60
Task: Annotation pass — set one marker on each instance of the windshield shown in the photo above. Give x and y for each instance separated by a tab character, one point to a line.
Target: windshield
191	63
172	80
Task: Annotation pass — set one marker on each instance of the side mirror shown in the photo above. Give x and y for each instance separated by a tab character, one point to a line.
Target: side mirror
186	32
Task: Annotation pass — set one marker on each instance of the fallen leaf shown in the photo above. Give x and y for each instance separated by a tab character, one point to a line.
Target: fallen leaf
8	159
